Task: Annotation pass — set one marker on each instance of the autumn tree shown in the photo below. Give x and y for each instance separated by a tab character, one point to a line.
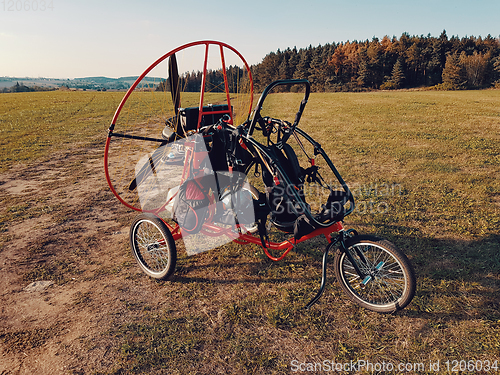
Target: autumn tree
474	67
408	61
369	68
452	73
496	67
345	62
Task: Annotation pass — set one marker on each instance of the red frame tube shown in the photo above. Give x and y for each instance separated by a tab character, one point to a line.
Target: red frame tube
245	238
210	229
207	43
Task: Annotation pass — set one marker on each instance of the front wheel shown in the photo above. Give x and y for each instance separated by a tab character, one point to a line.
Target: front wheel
153	246
387	281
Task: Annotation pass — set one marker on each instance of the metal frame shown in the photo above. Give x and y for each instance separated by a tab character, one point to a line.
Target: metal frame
207	44
259	150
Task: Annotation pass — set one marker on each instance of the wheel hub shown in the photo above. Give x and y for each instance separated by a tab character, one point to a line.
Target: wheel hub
153	247
373	273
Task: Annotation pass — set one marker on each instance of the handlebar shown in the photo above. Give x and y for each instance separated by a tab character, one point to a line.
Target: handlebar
256	114
222	123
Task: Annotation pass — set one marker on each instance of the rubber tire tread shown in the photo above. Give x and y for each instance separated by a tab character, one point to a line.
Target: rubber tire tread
165	232
408	270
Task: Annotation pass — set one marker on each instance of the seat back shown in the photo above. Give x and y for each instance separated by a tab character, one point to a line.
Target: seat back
284	208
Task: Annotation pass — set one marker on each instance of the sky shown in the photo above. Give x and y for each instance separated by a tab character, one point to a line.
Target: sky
70	39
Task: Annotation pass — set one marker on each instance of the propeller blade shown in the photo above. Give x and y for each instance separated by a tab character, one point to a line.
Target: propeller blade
173	77
147	168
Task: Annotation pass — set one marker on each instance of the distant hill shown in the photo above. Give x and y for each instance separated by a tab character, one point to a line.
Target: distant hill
87	83
6	82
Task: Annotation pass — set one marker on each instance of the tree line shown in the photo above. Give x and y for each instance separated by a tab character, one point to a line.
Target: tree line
387	63
23	88
191	81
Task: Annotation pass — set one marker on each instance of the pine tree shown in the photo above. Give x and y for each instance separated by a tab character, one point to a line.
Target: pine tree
414	63
163	86
437	58
302	69
316	71
364	73
283	73
375	54
398	75
267	71
293	61
329	75
423	60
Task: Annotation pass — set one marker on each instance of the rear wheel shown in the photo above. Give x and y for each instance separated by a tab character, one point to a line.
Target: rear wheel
388	282
153	246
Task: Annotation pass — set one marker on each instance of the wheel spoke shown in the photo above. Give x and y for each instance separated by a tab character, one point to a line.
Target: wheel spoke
384	281
152	248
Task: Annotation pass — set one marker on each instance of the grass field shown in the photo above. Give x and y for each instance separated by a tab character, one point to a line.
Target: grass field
424	167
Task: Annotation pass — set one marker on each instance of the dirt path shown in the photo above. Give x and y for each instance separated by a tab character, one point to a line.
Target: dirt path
61	224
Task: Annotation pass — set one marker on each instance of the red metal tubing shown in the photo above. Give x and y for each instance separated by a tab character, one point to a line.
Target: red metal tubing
245	239
151	67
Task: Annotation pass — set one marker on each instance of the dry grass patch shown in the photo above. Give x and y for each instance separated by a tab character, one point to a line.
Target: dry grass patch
424	168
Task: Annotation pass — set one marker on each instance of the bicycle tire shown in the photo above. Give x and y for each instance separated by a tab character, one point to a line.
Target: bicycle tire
389	284
153	246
